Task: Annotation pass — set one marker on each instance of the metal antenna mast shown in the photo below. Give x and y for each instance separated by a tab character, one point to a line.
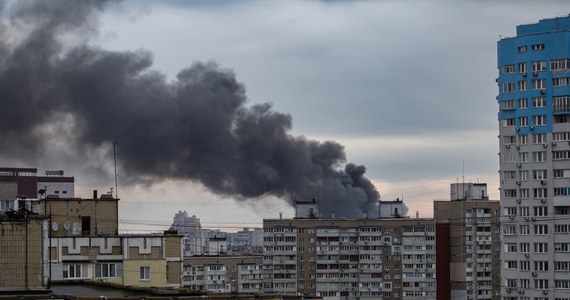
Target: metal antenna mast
116	176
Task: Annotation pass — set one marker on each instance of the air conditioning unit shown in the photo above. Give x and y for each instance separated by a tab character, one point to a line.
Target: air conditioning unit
543	91
519	165
518	183
545	292
526	255
532	218
535	73
508	291
534	274
553	143
543	200
526	219
508	146
524	74
521	291
531	128
518	147
544	145
511	217
518	200
543	182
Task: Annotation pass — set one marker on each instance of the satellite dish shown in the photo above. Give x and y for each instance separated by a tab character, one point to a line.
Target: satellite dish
54	226
66	226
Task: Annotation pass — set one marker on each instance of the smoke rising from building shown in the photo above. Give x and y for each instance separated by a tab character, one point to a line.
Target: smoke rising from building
56	87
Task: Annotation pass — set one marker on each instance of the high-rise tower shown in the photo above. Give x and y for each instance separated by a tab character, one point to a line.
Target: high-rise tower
534	133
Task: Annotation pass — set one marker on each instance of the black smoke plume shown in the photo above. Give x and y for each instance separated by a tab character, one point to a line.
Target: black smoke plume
56	88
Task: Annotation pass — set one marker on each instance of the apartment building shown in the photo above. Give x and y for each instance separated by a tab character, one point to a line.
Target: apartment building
223	274
23	244
468	234
84	244
17	184
534	139
350	258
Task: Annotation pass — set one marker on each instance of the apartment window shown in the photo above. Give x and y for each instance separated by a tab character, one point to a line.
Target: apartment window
539	120
541	229
525	247
512	283
539	193
539	84
540	265
508	69
72	271
524	230
561	228
521	49
541	284
561	247
560	81
537	47
539	138
509	175
540	211
540	247
524	265
523	157
508	105
558	119
510	211
561	284
562	191
508	87
538	102
560	155
509	230
523	103
523	121
144	273
523	175
561	173
509	122
562	266
539	156
561	136
511	248
510	193
509	139
523	139
522	85
538	66
509	157
511	264
561	103
107	270
524	211
560	64
539	174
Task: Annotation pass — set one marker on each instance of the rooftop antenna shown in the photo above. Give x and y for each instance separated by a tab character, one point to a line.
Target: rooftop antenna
116	176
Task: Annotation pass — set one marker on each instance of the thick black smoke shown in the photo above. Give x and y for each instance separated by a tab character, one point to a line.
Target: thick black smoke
56	86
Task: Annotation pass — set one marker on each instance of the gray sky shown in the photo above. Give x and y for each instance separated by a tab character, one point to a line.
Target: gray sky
408	87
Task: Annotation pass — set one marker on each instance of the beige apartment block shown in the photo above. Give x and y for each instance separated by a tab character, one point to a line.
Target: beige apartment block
350	258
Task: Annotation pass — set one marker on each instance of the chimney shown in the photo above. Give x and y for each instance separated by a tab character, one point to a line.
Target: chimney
94	194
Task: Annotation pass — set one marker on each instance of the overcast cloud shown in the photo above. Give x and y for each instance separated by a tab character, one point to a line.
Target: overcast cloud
406	86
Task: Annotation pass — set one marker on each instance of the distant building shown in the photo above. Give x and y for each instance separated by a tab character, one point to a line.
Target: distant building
534	136
393	209
227	274
468	235
23	183
246	241
186	225
350	258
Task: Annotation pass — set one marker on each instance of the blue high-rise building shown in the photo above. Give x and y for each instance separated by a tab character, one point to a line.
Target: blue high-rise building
534	133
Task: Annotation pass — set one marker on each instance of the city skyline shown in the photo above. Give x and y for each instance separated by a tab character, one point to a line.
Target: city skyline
411	121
